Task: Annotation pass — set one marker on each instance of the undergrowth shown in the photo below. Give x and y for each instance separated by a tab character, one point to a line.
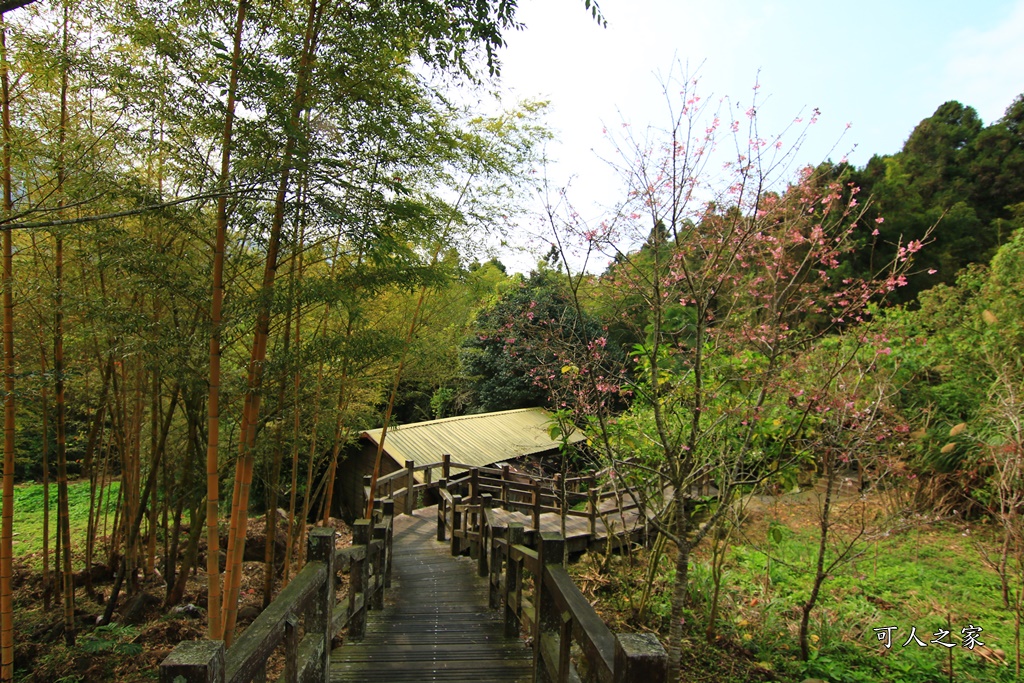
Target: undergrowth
926	576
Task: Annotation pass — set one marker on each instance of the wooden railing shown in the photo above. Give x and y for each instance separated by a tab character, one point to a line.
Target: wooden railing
517	492
547	604
306	605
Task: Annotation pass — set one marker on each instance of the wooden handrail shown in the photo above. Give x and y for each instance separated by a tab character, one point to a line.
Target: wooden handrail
500	482
309	597
250	652
555	613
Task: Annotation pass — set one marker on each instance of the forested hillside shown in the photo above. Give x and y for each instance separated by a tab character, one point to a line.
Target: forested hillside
956	173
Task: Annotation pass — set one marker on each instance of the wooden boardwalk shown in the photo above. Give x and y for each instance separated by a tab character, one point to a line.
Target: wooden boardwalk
624	526
435	625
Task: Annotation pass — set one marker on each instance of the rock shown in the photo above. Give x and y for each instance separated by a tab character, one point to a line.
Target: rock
135	613
248	613
97	573
189	610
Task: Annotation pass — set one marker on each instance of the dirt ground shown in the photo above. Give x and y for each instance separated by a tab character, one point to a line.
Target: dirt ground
143	631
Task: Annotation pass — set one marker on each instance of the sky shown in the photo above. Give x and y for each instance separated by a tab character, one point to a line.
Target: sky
879	65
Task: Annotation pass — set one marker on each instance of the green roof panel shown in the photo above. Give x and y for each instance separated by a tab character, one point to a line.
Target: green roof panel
478	440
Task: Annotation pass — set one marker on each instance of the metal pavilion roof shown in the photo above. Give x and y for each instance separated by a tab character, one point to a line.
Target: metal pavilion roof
477	440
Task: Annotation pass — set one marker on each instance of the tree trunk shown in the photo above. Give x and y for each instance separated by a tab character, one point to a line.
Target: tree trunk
195	532
7	524
154	418
297	258
47	588
62	468
185	492
270	524
819	573
678	603
250	411
58	359
95	432
307	499
215	625
132	528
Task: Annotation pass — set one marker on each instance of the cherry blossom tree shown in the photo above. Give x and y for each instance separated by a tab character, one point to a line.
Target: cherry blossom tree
728	263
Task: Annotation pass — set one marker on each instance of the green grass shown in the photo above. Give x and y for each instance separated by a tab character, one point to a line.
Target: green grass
28	515
920	577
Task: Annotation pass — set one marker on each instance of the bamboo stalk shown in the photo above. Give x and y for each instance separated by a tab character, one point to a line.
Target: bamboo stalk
250	412
215	628
7	523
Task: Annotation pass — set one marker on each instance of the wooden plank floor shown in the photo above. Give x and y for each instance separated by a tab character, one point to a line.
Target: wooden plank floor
435	625
577	529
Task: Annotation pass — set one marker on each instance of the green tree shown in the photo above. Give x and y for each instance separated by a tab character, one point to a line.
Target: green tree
953	174
518	347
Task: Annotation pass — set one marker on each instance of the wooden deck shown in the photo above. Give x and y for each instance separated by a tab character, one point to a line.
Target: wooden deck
435	625
626	525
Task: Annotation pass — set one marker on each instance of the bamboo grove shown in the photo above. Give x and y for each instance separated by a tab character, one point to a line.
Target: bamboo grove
222	221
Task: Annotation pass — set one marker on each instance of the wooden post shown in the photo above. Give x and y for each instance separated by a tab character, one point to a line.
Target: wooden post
456	524
592	506
442	487
516	533
504	485
358	580
471	520
550	550
377	594
535	491
494	567
446	466
388	508
410	487
564	645
320	617
367	479
639	657
194	661
485	531
291	649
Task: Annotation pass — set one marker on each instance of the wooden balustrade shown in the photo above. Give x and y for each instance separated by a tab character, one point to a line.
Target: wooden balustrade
556	615
309	598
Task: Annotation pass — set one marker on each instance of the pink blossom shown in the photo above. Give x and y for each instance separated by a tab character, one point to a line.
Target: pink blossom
879	220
